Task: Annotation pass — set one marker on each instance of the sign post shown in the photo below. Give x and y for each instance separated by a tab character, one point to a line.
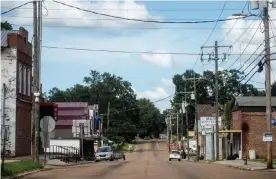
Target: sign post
47	125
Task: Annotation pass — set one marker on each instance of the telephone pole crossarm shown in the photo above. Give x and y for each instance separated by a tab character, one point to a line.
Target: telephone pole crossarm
216	59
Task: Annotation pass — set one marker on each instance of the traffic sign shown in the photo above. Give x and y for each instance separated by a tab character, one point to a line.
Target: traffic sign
47	124
267	137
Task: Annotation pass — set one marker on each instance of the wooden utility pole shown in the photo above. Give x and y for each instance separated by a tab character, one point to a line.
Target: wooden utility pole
35	79
268	85
108	113
195	105
216	59
3	127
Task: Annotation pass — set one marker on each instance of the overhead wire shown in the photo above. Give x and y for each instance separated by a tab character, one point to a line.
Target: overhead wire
246	46
247	3
127	52
210	33
147	21
17	7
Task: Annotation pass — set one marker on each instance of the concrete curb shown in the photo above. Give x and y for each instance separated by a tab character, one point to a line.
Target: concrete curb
252	169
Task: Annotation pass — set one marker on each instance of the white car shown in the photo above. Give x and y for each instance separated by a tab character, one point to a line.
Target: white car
104	153
175	155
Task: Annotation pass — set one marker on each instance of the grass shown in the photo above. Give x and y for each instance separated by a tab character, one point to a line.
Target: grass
14	168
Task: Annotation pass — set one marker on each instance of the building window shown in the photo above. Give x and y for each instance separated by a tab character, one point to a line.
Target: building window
20	78
24	80
29	82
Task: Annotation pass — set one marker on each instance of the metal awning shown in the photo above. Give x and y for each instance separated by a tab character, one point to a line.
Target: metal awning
230	131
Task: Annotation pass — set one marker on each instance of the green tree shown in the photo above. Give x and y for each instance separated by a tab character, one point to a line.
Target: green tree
229	85
125	113
273	89
6	26
151	121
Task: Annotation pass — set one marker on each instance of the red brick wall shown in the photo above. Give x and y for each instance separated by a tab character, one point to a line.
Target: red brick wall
253	138
23	128
24	102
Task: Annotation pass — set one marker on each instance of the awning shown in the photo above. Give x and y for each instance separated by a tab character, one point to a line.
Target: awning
230	131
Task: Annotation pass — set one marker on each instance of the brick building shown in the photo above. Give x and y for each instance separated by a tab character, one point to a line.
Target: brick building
249	116
72	113
16	74
205	110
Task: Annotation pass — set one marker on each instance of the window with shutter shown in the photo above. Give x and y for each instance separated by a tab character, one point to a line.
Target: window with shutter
20	78
24	80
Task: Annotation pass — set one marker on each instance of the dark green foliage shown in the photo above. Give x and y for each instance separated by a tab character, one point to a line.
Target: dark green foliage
128	116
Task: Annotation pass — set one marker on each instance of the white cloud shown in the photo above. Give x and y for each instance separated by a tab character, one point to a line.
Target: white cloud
162	60
155	94
63	15
167	82
242	43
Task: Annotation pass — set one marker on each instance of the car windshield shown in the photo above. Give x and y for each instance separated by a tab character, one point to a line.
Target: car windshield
175	152
103	149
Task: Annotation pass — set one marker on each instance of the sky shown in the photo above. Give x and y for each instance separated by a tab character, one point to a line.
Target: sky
150	74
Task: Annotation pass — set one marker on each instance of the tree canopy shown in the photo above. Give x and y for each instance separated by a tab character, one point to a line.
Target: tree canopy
229	85
6	26
128	116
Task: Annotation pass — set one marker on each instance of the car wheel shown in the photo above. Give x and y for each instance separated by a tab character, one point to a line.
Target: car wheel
170	159
96	160
124	158
179	160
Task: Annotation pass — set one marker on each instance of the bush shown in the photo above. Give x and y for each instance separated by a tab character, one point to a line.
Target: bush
14	168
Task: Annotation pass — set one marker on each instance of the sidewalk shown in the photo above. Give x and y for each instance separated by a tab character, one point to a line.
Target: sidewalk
240	164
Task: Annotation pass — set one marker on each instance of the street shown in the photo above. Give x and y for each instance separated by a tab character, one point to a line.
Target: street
150	161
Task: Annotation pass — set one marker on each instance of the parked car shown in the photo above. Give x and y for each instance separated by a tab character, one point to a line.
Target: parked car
107	153
175	154
104	153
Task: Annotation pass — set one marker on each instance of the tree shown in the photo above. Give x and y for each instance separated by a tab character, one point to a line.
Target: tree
127	115
150	119
273	89
6	26
229	85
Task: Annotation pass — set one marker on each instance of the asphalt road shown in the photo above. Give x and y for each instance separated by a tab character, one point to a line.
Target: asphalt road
150	161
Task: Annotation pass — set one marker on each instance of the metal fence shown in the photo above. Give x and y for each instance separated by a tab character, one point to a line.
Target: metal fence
64	153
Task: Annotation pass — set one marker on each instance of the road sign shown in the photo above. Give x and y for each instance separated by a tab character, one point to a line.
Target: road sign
209	121
267	137
47	124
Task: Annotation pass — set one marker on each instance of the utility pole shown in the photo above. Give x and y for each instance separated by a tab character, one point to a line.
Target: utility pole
35	85
177	139
268	85
108	113
3	126
195	105
216	59
187	125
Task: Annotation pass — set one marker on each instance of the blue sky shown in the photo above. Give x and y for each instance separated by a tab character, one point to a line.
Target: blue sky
150	75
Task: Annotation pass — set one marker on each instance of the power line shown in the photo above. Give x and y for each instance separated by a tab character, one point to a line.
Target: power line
130	28
233	25
246	30
215	24
16	7
128	52
252	56
245	47
210	33
148	21
109	19
153	10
